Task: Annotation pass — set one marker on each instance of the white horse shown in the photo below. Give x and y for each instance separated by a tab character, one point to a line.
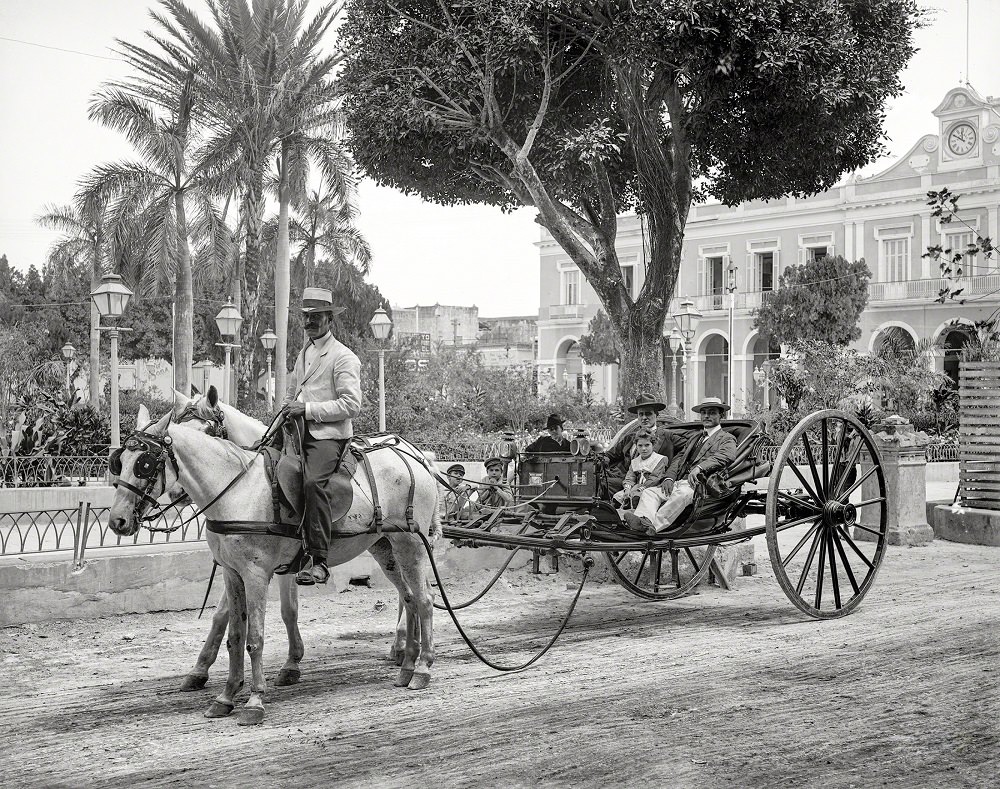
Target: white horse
204	466
243	430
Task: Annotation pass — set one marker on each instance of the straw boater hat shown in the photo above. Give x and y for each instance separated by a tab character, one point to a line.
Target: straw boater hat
646	400
456	468
554	420
319	300
711	402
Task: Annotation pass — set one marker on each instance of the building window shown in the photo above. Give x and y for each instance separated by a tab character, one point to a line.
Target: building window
815	248
628	274
764	274
896	259
815	254
971	265
715	269
571	287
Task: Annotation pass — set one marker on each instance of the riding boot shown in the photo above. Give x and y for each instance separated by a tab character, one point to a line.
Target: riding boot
314	571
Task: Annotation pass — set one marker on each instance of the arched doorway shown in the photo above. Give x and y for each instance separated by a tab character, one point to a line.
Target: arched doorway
569	365
894	339
764	355
952	341
716	379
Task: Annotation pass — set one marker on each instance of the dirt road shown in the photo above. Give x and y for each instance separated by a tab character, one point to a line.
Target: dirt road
719	689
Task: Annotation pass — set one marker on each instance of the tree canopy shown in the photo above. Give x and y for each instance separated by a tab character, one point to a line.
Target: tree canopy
587	108
598	345
821	301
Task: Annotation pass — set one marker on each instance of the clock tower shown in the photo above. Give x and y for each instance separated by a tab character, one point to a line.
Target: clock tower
966	129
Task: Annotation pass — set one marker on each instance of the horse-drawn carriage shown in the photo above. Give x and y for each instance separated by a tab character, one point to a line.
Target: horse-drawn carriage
824	515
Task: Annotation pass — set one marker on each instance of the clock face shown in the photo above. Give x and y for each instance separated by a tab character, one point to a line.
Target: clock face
961	139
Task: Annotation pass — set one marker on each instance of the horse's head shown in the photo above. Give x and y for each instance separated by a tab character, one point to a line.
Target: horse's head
209	415
146	471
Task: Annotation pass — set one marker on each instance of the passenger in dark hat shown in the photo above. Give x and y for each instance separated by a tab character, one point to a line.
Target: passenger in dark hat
456	500
619	456
555	441
494	492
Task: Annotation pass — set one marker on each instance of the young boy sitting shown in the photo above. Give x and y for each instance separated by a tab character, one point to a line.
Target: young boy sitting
646	470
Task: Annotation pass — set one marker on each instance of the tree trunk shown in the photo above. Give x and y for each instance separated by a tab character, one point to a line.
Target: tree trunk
282	286
641	358
95	340
183	350
243	361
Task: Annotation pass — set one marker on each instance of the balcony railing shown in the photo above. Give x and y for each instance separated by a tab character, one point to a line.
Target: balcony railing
566	311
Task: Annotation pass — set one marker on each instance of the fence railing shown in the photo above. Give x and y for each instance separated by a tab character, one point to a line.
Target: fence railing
935	453
86	527
48	470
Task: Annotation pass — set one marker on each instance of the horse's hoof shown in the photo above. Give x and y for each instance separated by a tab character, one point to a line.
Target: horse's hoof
403	680
419	682
250	716
194	682
218	709
288	676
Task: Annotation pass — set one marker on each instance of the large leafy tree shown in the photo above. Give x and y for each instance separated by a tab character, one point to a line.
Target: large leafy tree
587	108
820	301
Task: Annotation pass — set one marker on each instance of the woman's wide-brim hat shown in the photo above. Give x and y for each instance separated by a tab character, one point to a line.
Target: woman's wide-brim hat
554	420
457	468
711	402
646	400
495	461
319	300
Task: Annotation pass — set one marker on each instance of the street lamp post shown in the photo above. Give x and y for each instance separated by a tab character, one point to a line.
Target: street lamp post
204	366
111	298
731	290
675	341
68	352
229	321
381	324
686	318
269	339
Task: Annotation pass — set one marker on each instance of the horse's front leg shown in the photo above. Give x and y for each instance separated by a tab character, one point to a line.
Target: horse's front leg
223	704
255	583
198	676
290	673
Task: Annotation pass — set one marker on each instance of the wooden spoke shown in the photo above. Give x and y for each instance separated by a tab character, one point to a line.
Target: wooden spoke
857	484
834	581
837	454
642	572
819	570
618	559
826	456
852	462
867	529
843	560
812	466
797	548
869	502
690	556
642	566
797	501
847	538
802	479
659	568
809	560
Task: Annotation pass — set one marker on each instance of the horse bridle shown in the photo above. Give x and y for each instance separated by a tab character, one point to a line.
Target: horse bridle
150	466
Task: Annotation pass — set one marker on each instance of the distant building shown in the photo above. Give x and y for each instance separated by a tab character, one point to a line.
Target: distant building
508	341
883	219
435	325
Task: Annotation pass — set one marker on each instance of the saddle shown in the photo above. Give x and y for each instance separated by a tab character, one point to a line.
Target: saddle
283	464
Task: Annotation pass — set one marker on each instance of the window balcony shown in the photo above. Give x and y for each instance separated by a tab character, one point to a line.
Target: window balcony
927	289
566	311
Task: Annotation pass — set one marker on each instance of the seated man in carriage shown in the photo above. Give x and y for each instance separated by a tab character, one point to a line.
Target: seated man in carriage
456	500
708	451
619	456
555	441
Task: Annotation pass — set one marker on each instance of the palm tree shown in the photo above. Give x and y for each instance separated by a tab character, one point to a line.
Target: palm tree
151	196
325	224
83	243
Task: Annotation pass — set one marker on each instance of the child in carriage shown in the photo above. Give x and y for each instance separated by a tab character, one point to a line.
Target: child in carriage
646	469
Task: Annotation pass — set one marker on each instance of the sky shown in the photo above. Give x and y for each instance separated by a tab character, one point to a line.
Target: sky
422	253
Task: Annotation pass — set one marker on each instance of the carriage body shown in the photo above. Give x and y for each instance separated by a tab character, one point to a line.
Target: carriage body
824	509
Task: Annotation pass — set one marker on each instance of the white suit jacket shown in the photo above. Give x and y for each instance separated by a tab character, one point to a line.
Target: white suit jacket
330	388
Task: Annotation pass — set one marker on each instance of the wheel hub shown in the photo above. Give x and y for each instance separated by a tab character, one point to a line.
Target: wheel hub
837	513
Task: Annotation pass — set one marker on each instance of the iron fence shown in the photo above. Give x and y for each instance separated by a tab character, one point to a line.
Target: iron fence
48	471
86	527
935	453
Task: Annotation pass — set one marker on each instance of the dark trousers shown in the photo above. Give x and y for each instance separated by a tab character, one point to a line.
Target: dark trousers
320	461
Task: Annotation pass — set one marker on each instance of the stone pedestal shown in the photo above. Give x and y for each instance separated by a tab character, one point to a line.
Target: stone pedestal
973	526
904	465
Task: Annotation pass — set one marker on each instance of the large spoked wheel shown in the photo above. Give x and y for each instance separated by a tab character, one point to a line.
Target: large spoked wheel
661	574
826	535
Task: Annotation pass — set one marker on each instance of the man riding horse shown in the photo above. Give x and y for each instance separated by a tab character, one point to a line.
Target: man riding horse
325	390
